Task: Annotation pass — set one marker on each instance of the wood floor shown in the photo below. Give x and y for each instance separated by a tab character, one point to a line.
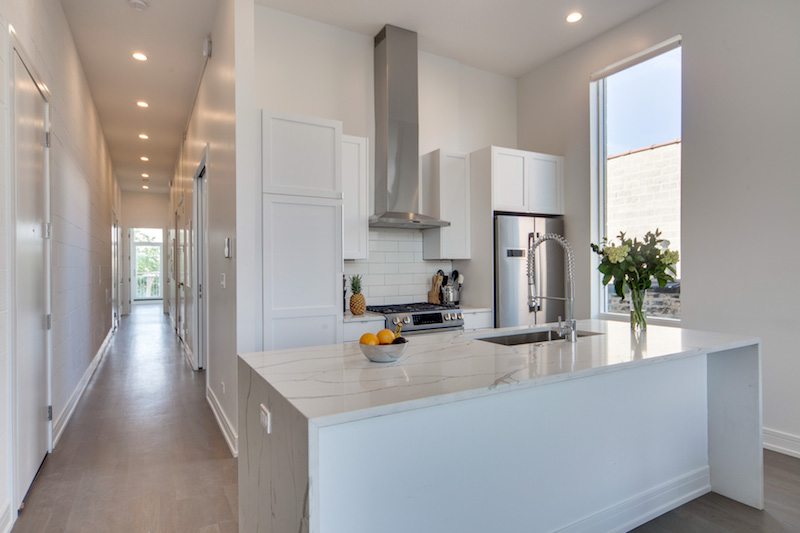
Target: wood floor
713	513
143	452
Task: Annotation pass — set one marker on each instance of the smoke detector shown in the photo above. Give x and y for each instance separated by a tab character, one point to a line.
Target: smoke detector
139	5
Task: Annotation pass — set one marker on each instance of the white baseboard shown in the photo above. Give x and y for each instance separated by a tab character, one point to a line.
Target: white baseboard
60	421
642	508
5	519
187	352
224	422
781	442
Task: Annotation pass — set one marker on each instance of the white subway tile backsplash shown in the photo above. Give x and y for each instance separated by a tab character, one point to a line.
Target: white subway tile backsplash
416	268
395	271
399	279
382	246
383	290
400	257
383	268
409	246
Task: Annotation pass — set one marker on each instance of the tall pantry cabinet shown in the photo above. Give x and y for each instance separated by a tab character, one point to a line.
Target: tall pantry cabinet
301	230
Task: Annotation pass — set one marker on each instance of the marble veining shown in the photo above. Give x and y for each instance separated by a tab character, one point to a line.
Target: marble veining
334	384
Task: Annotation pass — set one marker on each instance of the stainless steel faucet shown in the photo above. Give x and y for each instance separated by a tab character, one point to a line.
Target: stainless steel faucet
568	330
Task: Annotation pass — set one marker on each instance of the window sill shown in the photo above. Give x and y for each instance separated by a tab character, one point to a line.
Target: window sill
652	320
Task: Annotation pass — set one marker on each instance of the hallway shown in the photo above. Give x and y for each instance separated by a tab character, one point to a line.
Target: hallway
143	452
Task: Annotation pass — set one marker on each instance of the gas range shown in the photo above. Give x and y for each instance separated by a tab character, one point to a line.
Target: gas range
421	317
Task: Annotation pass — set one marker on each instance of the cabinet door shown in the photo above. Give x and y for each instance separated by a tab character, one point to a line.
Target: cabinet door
301	156
355	190
546	187
509	187
302	271
450	190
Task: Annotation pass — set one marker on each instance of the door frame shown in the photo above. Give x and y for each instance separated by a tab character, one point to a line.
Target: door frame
200	261
15	46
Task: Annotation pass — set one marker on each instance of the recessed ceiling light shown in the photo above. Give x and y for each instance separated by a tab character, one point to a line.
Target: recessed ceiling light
143	136
145	175
139	5
574	17
144	158
145	186
139	56
142	103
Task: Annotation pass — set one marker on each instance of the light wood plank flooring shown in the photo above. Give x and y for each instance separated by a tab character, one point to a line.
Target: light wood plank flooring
143	452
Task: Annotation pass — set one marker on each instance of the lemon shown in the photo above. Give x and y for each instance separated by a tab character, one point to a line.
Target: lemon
386	336
369	338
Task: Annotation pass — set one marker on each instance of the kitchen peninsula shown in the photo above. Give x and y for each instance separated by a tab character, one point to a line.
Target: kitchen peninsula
466	435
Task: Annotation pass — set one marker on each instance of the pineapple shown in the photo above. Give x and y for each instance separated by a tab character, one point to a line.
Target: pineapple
357	303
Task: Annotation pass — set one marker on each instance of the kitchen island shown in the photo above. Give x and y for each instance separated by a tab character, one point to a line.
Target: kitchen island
466	435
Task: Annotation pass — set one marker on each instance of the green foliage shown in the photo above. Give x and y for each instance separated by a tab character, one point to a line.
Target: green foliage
355	284
637	263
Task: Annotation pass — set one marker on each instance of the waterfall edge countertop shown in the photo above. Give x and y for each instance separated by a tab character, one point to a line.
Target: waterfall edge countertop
336	383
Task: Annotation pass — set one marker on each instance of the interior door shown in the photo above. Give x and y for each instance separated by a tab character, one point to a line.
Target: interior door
31	281
199	261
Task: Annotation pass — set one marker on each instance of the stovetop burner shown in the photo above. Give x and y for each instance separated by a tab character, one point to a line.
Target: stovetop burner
409	308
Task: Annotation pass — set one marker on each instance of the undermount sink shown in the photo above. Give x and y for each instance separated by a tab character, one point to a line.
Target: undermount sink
531	337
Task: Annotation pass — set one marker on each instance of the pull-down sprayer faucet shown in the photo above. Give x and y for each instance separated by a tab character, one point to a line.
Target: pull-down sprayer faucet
569	329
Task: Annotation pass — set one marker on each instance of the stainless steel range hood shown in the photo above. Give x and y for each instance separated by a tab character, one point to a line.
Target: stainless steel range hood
397	133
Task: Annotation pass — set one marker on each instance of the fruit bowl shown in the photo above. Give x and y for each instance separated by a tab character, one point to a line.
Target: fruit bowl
383	353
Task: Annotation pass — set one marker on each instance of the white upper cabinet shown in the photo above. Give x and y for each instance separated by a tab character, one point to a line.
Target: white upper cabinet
445	179
300	155
525	182
509	179
355	189
546	184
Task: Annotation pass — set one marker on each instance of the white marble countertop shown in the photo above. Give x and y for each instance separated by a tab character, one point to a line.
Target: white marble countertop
335	384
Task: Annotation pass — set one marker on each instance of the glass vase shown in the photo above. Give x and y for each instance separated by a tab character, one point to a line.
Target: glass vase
638	320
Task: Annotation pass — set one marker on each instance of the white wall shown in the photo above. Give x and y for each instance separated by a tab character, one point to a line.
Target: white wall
83	193
212	123
741	129
144	210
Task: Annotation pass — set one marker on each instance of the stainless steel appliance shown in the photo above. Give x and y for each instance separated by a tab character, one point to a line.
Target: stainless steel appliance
511	270
421	317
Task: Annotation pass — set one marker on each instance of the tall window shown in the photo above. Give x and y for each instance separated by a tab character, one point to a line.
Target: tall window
637	109
147	246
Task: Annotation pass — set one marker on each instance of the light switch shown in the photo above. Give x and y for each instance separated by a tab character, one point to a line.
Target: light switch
266	419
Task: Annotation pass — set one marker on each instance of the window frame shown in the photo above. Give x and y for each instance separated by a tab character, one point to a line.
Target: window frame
598	160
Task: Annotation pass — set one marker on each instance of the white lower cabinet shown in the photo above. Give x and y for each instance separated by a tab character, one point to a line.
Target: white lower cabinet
302	263
354	330
477	319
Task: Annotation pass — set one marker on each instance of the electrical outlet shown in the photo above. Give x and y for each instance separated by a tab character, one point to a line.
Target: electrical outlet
223	386
222	280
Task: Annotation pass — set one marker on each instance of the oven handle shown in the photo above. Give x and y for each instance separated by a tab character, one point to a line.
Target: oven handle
457	329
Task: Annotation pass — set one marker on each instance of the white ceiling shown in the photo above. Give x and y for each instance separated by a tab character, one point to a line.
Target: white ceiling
171	34
509	37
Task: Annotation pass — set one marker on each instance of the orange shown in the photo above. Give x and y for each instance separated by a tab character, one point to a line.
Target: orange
369	338
386	336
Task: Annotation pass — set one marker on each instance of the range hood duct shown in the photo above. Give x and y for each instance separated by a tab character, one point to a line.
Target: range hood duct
397	133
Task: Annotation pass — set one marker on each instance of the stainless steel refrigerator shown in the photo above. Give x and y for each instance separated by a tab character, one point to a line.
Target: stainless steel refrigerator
511	271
